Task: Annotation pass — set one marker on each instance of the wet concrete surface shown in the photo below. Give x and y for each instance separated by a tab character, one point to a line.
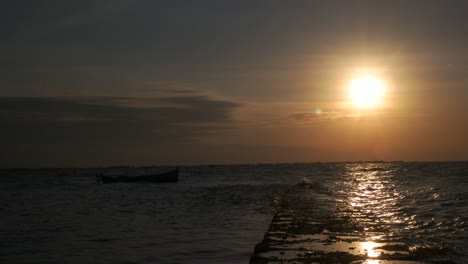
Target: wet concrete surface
311	227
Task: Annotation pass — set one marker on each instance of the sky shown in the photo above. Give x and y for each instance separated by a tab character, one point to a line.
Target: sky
135	82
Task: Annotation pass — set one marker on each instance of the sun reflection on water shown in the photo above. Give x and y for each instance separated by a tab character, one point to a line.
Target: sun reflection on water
369	247
372	199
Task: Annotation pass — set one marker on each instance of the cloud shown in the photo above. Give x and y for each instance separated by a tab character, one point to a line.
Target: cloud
317	116
170	110
110	123
303	116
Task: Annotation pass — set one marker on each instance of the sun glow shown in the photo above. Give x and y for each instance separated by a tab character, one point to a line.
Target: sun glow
366	91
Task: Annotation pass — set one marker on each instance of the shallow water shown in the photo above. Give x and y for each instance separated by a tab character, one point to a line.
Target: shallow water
217	214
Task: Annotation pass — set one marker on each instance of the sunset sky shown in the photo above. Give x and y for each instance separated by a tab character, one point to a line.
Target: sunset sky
127	82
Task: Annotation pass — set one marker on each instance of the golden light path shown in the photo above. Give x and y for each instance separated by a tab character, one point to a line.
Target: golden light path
369	248
362	223
366	91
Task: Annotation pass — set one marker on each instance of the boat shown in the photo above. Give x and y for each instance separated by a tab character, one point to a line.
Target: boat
165	177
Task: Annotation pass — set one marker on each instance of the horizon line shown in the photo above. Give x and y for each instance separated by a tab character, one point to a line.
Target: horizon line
232	164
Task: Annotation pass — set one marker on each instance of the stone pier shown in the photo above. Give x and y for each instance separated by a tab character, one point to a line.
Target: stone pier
312	227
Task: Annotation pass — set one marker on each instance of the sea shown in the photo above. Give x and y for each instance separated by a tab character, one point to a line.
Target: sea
219	214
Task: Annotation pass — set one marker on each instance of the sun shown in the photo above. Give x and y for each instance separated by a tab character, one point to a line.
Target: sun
366	91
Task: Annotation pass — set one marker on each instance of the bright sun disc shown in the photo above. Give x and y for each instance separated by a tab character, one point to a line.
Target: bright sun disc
366	91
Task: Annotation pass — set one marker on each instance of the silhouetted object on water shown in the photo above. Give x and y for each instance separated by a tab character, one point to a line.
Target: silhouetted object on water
166	177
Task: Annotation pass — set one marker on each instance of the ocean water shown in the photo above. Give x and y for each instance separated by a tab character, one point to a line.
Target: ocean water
218	214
